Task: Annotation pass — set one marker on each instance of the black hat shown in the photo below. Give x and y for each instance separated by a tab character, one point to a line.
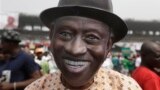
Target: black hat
10	36
97	9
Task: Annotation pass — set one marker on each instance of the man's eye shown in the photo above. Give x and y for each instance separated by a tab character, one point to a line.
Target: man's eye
92	38
157	57
65	35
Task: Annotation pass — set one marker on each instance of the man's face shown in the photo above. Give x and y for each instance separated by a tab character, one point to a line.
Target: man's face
154	56
6	46
39	55
79	46
1	53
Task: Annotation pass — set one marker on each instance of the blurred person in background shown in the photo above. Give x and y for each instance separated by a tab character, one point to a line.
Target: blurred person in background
19	69
10	23
41	60
45	59
108	62
116	62
147	74
131	65
3	57
138	60
39	53
1	53
82	33
49	57
26	49
125	63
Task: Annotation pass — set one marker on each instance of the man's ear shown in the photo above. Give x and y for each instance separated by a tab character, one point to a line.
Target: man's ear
109	47
50	34
51	29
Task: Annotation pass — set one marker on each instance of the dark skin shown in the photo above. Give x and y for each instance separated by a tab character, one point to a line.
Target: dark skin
39	55
13	51
1	55
79	45
150	53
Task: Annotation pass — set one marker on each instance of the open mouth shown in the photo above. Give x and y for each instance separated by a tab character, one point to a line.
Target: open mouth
76	66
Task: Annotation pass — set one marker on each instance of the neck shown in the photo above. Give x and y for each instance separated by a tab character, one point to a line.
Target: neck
155	70
66	84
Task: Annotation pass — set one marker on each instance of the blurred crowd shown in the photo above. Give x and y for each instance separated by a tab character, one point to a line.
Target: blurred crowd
116	60
124	64
20	65
43	57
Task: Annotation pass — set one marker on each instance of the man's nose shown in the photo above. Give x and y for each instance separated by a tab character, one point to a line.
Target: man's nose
76	47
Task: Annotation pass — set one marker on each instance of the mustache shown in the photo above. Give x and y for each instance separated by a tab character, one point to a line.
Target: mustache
73	58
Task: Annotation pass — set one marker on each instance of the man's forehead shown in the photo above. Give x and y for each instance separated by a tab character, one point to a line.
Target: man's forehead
78	20
75	18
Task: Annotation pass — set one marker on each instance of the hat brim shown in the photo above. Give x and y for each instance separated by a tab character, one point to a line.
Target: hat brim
10	40
119	28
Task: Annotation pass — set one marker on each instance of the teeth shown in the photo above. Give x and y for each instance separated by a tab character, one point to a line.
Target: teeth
75	63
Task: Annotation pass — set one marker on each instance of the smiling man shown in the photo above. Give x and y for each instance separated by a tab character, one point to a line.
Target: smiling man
82	33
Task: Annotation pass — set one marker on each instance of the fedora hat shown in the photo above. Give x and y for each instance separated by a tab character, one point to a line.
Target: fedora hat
97	9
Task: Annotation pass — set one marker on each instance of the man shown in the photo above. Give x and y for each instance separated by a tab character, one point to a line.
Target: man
125	65
82	33
40	60
39	53
147	74
19	69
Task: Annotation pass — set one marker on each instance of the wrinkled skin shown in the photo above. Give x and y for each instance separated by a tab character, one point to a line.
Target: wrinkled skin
79	45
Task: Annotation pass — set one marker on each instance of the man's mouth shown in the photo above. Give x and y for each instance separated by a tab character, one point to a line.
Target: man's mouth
75	63
76	66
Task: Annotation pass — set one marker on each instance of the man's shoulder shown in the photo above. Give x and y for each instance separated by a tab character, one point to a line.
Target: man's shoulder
51	80
121	80
24	54
116	75
144	72
112	73
24	57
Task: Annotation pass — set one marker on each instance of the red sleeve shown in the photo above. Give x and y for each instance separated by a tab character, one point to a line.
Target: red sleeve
152	84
